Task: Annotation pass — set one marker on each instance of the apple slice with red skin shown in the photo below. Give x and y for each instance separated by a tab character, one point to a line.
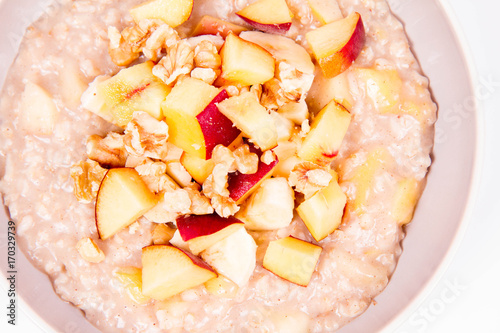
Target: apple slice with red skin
209	25
336	45
202	231
240	186
168	271
272	16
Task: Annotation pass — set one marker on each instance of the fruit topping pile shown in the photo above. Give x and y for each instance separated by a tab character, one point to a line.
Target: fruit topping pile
217	140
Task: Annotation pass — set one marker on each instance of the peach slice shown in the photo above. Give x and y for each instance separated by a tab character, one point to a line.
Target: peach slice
271	16
328	129
245	63
203	231
322	213
240	186
168	271
209	25
222	287
251	118
324	90
172	12
234	256
198	168
270	207
131	89
336	45
292	259
325	11
195	124
405	200
122	198
131	280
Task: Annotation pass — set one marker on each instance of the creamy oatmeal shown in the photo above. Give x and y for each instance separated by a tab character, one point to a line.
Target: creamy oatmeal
334	153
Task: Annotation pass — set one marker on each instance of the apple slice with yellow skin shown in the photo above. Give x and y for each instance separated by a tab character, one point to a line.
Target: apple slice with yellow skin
209	25
195	124
325	11
336	45
168	271
240	185
405	200
252	119
172	12
131	280
292	259
271	16
245	63
131	89
322	143
322	213
202	231
122	198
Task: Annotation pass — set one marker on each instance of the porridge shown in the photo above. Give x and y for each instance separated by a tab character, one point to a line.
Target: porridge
222	166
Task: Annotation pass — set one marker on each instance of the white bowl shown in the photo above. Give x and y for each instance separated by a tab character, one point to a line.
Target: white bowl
432	236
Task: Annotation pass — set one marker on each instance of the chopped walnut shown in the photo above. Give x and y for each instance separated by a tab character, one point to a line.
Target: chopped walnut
162	234
158	214
207	75
304	128
224	206
108	151
161	38
232	90
178	61
206	55
89	250
153	174
224	155
177	201
246	162
200	204
256	89
294	84
87	176
267	157
146	136
308	178
273	95
216	182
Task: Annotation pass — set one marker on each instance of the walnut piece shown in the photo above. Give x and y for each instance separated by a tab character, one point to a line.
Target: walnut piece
207	75
178	61
87	177
308	178
200	204
108	151
146	136
224	155
294	84
246	162
162	38
207	56
89	250
215	188
224	206
267	157
177	201
155	177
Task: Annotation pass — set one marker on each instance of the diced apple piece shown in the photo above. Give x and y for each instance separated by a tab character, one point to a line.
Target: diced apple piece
245	63
122	198
286	153
178	242
328	129
178	173
203	231
195	124
383	86
234	256
282	49
209	25
131	89
325	11
72	86
131	279
251	118
324	90
271	16
168	271
241	186
197	167
362	177
322	213
292	259
405	200
38	113
284	126
222	287
172	12
295	111
162	234
336	45
270	207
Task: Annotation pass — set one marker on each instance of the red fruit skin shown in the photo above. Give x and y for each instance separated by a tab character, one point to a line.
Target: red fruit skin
216	127
239	184
194	226
279	28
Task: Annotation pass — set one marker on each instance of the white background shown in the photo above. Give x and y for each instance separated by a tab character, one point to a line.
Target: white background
467	298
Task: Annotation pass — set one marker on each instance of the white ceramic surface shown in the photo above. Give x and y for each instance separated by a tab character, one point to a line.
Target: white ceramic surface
432	235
